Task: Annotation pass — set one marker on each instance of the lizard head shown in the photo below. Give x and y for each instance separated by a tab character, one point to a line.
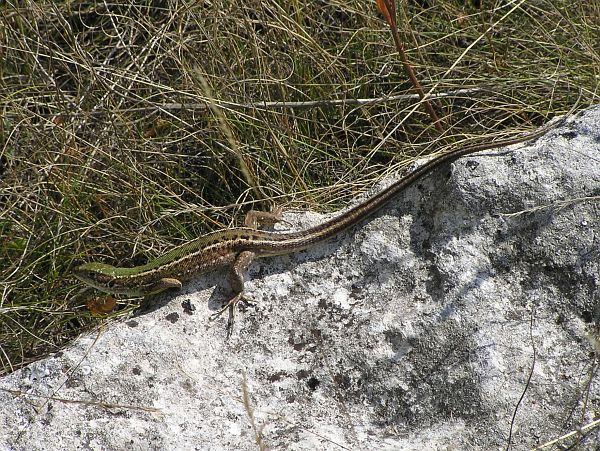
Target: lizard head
98	275
114	280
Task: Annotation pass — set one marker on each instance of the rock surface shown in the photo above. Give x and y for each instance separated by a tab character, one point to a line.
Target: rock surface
462	315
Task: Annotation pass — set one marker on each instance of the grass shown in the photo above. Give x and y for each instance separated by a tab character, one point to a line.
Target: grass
130	127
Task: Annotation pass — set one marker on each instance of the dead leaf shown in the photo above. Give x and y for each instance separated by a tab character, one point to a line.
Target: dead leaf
101	305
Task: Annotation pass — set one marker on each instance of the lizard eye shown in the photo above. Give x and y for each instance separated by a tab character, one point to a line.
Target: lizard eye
111	284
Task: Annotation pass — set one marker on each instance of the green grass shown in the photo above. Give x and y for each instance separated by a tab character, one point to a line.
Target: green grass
108	151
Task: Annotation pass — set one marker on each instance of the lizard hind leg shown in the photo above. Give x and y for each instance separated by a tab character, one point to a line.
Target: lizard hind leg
256	218
236	280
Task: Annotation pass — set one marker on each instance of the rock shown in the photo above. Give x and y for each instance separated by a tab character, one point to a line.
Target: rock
462	315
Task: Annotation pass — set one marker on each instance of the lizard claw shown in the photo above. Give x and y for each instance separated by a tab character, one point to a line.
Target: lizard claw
231	304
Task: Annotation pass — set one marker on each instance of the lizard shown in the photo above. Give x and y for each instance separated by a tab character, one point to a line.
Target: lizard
237	247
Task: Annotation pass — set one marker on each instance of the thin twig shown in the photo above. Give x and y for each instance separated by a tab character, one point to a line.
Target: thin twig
514	416
388	8
276	105
580	431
